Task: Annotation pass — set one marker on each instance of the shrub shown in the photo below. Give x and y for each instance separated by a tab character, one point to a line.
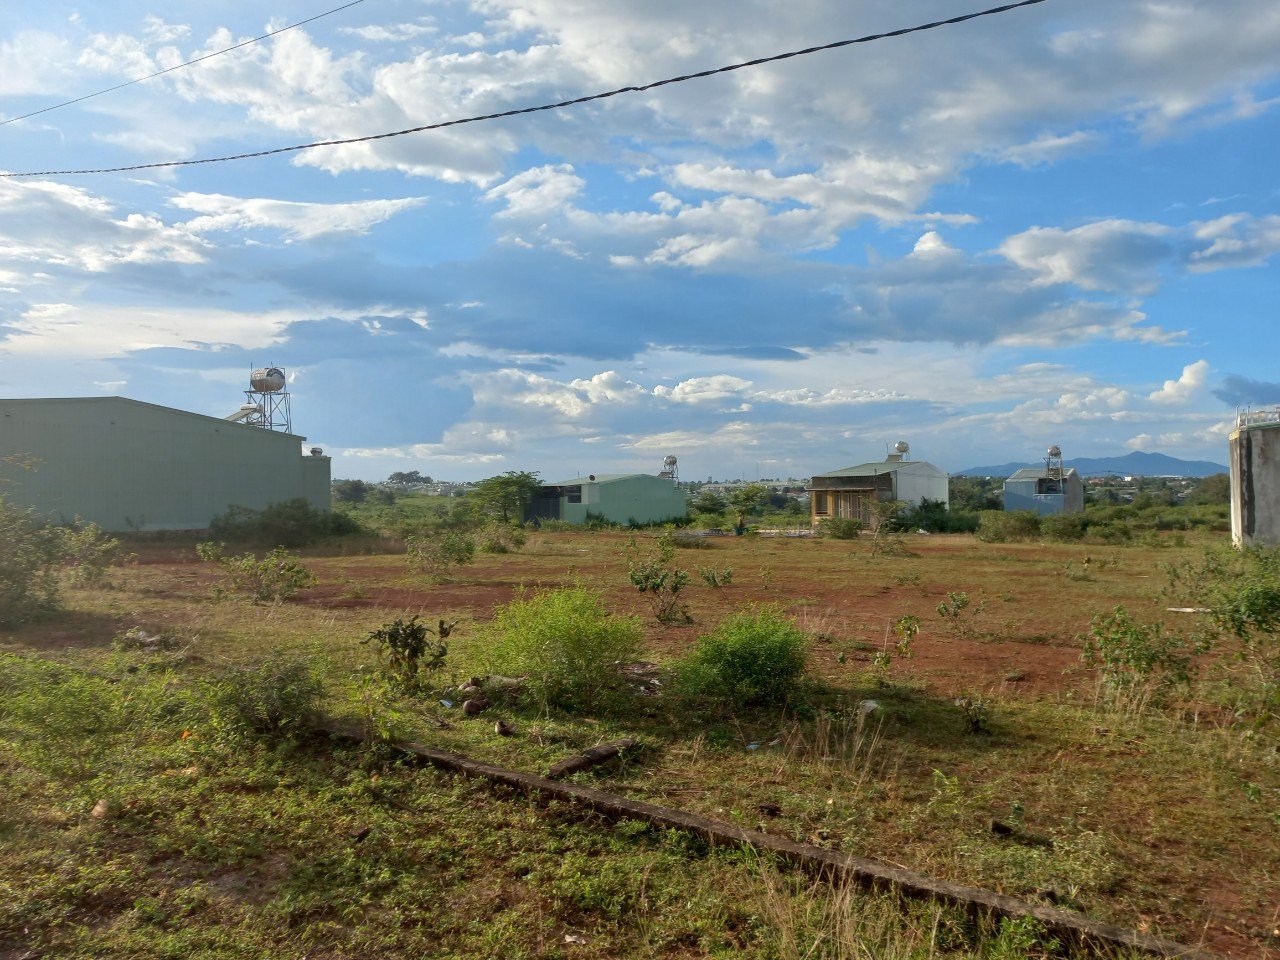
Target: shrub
90	552
952	611
661	581
905	629
29	554
1001	527
290	523
716	578
1241	592
567	646
753	658
1115	531
406	653
498	537
1138	662
840	528
436	553
277	699
1064	526
275	578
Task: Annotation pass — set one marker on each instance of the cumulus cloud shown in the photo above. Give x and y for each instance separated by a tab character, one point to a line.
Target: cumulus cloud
1114	255
1244	391
1185	387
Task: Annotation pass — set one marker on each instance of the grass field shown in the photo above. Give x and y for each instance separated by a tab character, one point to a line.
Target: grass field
206	842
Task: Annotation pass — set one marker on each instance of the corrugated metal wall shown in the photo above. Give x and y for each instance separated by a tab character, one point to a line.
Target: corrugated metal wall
641	498
128	465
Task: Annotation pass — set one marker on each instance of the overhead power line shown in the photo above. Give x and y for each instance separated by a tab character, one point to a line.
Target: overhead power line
546	106
160	73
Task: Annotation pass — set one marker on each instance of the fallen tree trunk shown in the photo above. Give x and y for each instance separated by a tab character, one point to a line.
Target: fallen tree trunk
590	758
831	865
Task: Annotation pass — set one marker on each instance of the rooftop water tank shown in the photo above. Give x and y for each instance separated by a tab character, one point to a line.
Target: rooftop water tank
267	380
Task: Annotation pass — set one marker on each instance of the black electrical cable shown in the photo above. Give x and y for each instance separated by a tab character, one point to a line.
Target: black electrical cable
546	106
160	73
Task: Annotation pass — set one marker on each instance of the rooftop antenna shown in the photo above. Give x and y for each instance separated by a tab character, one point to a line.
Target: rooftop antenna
669	471
266	401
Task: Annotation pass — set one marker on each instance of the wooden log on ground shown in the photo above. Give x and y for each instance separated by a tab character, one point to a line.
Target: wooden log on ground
590	758
1074	928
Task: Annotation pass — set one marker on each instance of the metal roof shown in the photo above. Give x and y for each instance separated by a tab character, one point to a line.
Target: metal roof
1040	473
879	467
175	411
600	478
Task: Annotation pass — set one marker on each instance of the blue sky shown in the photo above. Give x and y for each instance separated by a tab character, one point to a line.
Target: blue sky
1058	225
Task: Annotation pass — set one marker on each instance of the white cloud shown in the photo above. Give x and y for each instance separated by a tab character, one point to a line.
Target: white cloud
60	225
300	221
1185	387
1114	255
1237	240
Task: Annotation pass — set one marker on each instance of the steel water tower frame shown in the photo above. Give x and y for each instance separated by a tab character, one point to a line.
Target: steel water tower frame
268	397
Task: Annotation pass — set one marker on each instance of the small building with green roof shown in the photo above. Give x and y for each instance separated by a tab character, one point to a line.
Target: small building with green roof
614	497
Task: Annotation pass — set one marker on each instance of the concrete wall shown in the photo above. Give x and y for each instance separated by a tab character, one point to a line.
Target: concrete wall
127	465
642	498
921	481
1255	485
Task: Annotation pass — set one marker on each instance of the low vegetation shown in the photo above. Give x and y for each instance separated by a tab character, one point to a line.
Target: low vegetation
1126	750
272	578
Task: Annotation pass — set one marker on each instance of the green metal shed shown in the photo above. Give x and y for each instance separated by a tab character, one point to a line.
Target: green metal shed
128	465
618	498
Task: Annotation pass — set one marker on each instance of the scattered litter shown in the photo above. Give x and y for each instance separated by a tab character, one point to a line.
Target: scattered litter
574	938
868	706
446	703
753	746
1188	610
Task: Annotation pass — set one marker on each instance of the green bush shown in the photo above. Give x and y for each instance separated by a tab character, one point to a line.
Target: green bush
90	552
840	528
275	578
277	699
436	553
753	658
406	652
933	516
1064	526
1001	527
661	581
498	537
1139	663
566	644
290	523
30	552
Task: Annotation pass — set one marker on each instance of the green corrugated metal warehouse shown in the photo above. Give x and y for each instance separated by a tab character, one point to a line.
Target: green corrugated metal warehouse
128	465
618	498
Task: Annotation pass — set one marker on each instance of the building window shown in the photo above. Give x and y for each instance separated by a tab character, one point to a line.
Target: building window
821	505
573	494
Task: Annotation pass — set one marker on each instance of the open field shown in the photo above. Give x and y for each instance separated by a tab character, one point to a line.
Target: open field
1165	821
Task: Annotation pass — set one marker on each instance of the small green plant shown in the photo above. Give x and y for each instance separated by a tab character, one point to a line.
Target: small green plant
288	523
275	700
953	613
899	640
437	553
661	581
1000	527
406	653
1138	663
89	553
275	578
1081	574
885	537
565	644
976	712
907	579
753	658
716	578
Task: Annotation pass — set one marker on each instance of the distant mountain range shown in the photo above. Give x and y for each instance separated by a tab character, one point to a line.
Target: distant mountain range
1130	465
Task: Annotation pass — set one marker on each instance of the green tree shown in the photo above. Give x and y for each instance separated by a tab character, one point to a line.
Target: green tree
409	478
350	491
505	496
1214	489
708	501
747	499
